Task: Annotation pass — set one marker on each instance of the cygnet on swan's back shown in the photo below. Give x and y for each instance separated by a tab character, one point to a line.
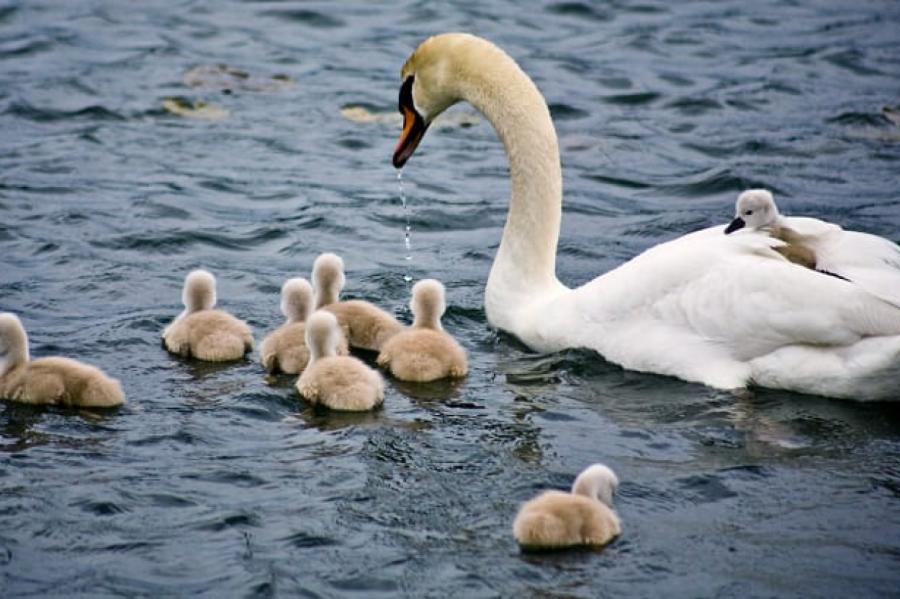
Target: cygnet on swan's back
336	382
284	349
365	325
59	381
584	517
756	209
424	352
202	332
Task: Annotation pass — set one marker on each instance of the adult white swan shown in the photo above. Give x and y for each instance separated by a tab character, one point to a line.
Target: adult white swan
723	310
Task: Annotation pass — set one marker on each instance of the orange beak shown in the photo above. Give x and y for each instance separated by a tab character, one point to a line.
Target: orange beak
414	126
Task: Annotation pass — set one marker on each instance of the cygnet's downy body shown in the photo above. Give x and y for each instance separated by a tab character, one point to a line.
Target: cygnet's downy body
202	332
365	325
56	381
425	351
284	350
584	517
337	382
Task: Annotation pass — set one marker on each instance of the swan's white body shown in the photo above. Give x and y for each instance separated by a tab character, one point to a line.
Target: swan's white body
723	310
869	261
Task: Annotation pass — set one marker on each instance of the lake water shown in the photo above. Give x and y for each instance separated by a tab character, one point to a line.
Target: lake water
214	481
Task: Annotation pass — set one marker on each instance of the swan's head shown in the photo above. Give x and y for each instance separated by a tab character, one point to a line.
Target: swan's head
597	482
296	299
755	208
199	291
428	304
442	71
322	334
328	279
13	342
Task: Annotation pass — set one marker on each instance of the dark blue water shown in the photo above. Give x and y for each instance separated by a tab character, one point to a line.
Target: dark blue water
213	481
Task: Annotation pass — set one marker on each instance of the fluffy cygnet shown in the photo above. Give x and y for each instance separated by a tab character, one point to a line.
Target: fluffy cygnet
424	352
756	209
202	332
336	382
58	381
284	350
584	517
365	325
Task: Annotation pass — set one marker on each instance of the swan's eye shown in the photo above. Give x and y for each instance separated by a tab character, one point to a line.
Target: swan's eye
749	212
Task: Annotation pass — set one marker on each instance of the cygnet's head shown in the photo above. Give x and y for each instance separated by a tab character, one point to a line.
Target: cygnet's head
428	304
322	334
13	342
755	208
597	482
199	291
328	278
437	75
296	299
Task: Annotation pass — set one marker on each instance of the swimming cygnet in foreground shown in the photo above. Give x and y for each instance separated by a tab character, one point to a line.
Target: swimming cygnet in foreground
202	332
424	352
584	517
284	350
59	381
756	209
365	325
336	382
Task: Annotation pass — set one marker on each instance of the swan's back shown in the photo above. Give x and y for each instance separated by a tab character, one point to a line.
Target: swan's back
868	261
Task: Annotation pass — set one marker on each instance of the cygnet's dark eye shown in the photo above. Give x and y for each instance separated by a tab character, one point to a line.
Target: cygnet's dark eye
749	212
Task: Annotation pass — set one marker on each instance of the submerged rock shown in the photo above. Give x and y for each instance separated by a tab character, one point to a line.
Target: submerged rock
227	79
194	109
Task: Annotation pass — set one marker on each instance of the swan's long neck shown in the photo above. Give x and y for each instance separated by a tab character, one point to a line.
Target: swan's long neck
525	265
13	348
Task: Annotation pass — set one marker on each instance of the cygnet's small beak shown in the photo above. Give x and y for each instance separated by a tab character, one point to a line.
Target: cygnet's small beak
414	126
737	223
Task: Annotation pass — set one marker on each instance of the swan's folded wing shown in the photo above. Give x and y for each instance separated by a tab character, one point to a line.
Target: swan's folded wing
869	261
810	227
724	295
